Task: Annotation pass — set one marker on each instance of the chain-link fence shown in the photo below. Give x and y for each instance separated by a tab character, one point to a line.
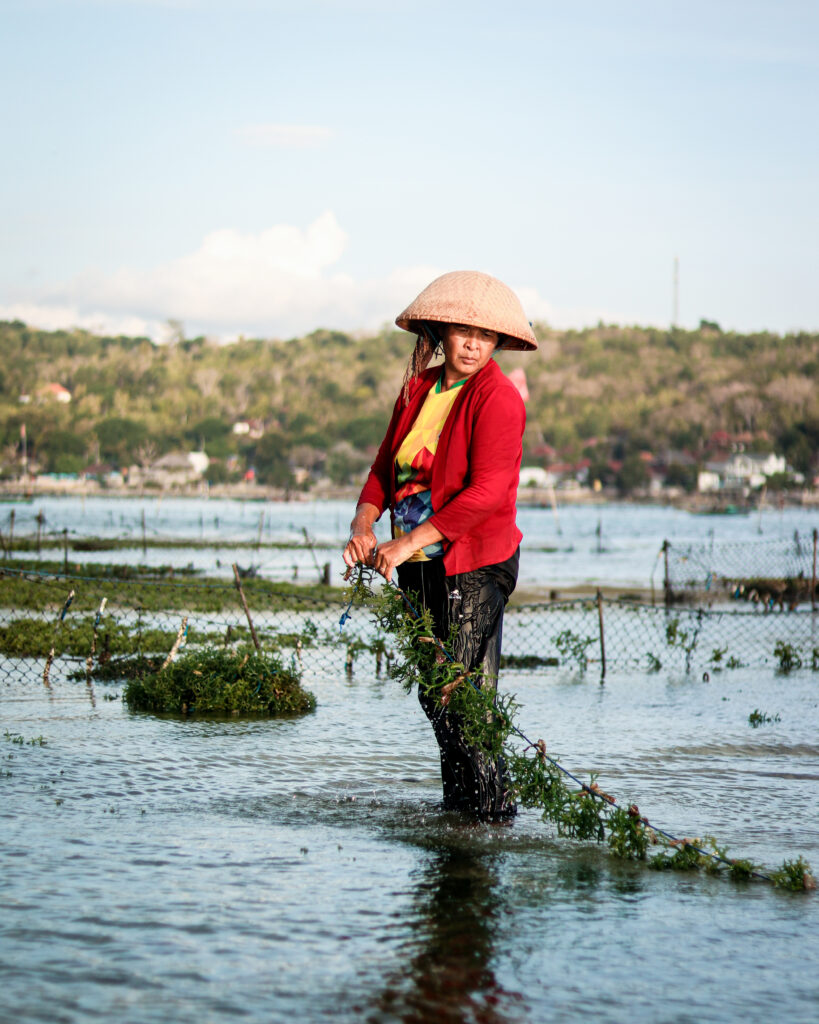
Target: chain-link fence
774	573
142	619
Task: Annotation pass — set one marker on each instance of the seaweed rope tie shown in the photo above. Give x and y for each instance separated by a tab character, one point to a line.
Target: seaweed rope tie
540	747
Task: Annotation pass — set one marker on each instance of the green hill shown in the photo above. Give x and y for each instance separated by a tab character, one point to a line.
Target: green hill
327	396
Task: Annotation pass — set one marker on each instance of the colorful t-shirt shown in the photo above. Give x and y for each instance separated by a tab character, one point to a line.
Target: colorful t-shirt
413	467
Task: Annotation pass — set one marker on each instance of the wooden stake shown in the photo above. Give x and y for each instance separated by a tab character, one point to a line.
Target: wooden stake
259	534
50	658
666	581
813	576
313	553
602	635
238	581
89	661
180	637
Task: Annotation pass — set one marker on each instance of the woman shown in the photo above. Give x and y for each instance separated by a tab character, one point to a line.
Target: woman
448	471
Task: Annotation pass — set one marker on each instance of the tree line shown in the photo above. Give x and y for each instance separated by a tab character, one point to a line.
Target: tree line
322	401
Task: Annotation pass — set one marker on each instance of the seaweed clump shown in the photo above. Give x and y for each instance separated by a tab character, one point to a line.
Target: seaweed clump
214	681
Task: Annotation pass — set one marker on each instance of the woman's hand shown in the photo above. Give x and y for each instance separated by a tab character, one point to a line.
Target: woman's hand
393	553
362	543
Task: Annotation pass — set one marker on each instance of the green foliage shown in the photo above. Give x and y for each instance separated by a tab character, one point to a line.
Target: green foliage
657	389
682	639
119	437
628	836
574	647
788	656
794	874
633	474
214	681
686	856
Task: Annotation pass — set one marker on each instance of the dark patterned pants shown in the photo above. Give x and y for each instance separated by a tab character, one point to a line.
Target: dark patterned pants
472	782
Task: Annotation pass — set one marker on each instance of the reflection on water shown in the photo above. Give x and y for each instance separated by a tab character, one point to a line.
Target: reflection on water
446	971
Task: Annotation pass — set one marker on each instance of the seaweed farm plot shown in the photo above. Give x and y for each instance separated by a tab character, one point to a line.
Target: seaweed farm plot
101	628
770	573
618	632
113	628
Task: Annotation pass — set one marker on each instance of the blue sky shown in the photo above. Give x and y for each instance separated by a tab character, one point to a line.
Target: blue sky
267	168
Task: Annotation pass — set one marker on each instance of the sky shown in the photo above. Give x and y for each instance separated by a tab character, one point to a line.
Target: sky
269	167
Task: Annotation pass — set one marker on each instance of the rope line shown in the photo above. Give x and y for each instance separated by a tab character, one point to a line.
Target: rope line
541	749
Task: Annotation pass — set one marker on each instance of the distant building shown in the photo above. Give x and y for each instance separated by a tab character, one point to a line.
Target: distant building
254	429
104	473
176	469
56	392
535	476
739	471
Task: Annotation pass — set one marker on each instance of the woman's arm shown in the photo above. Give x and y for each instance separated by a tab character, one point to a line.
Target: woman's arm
393	553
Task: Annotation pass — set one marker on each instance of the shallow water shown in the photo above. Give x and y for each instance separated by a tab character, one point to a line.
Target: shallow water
163	870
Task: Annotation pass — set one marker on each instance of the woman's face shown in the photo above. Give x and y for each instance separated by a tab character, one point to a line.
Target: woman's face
467	349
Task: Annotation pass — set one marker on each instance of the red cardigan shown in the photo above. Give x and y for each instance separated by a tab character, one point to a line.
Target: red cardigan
476	468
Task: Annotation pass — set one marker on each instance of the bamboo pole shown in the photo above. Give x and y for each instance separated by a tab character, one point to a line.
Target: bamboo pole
11	530
666	580
238	582
50	658
180	638
89	661
813	576
313	553
259	534
602	634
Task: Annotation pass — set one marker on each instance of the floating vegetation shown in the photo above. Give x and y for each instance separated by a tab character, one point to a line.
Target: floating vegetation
20	740
219	681
583	812
788	656
757	718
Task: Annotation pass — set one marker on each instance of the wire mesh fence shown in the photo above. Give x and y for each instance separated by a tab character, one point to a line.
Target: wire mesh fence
142	618
776	572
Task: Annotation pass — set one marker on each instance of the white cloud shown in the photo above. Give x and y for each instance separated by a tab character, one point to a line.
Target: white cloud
54	317
284	136
282	281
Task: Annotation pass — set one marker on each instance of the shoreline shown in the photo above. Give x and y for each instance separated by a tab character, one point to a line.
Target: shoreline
696	504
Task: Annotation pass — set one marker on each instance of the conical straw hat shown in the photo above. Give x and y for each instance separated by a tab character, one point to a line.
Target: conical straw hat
475	299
